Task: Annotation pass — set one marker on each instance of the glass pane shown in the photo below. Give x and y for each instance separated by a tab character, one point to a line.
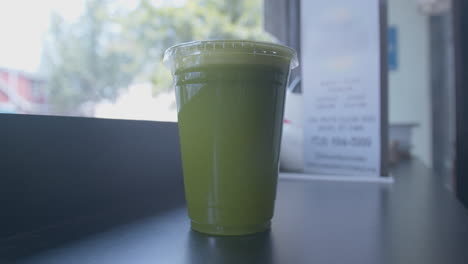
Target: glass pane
102	58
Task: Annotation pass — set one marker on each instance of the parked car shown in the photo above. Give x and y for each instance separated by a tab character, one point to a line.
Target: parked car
291	156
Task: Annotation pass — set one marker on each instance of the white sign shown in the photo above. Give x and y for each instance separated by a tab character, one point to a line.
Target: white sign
341	84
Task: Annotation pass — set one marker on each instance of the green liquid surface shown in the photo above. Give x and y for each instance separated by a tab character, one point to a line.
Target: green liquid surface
230	121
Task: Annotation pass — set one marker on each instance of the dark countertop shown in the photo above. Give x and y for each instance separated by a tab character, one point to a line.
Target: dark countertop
415	220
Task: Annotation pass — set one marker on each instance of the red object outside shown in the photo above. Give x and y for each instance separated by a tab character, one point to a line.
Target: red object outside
4	76
3	97
24	86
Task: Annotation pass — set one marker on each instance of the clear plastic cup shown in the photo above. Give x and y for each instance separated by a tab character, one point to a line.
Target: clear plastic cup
230	98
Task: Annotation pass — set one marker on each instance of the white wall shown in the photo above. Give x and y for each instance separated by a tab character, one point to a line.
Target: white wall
409	85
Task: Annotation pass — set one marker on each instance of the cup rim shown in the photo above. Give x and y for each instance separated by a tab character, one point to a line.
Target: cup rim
258	48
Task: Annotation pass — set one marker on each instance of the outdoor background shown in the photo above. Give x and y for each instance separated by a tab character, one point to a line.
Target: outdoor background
103	58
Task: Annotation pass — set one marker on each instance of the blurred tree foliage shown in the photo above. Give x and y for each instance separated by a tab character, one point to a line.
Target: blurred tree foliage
110	47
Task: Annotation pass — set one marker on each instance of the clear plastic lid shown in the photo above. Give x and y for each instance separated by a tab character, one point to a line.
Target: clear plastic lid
197	53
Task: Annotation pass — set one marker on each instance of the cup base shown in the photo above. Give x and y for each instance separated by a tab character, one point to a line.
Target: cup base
230	230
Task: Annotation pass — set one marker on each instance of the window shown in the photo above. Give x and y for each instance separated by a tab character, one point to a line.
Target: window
102	58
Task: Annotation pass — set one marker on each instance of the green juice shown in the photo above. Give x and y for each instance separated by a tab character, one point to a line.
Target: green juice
230	111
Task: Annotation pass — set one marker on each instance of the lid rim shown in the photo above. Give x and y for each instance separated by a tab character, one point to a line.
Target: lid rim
193	48
200	42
